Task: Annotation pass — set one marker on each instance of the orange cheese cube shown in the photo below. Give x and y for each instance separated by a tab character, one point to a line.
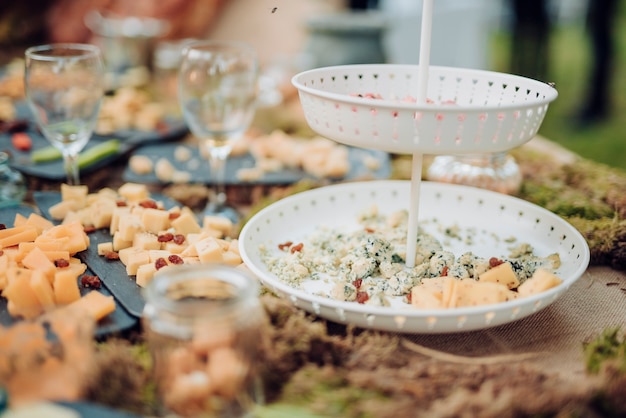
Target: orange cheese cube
78	239
39	222
40	284
36	260
66	286
22	296
502	273
96	305
17	234
19	220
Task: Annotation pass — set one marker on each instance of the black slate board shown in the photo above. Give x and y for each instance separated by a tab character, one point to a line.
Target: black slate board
198	167
112	273
117	321
53	170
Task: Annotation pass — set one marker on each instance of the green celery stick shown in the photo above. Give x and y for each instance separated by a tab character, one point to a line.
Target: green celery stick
96	153
85	158
43	155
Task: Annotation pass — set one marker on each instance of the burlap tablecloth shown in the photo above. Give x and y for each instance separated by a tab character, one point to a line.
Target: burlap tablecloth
556	334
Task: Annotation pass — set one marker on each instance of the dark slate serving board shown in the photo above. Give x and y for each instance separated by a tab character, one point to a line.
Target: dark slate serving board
111	273
53	170
117	321
198	167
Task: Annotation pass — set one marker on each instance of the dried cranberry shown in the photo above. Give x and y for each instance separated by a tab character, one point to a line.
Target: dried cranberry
284	246
175	259
297	247
148	204
91	281
61	263
167	237
357	283
179	239
494	262
160	263
362	297
112	255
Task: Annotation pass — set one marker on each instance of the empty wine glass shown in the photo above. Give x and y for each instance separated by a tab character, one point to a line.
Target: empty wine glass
64	85
217	91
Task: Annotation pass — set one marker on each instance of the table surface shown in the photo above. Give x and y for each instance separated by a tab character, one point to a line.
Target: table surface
551	339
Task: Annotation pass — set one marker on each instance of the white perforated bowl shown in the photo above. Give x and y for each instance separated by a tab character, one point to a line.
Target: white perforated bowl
469	111
494	219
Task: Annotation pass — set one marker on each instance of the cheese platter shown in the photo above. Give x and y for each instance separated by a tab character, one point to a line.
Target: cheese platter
119	320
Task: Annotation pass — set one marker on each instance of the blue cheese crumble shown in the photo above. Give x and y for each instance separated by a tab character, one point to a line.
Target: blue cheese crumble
367	265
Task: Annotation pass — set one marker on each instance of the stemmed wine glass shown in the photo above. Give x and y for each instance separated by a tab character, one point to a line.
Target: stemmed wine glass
217	91
64	86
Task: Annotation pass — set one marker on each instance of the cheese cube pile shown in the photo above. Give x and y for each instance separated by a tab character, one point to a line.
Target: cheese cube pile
145	236
496	285
39	270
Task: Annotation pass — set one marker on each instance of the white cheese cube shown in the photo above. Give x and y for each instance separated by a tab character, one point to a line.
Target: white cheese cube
100	212
156	254
118	213
145	274
76	193
129	226
174	248
209	250
155	220
119	243
105	247
219	223
134	192
60	210
125	254
231	258
135	260
186	223
146	241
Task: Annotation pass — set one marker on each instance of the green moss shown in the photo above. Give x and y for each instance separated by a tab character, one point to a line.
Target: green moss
326	391
609	346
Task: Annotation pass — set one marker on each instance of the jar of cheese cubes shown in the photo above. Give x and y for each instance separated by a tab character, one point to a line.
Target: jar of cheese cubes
203	327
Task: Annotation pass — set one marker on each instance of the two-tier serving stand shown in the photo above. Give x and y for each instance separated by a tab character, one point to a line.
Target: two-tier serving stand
422	109
418	110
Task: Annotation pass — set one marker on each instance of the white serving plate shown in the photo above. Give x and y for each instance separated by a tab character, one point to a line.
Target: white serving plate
494	217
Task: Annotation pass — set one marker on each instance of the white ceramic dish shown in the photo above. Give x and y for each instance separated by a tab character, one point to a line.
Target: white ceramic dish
492	216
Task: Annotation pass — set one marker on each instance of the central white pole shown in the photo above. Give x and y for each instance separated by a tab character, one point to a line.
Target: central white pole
416	168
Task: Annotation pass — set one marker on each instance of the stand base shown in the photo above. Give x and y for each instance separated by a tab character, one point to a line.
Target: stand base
498	172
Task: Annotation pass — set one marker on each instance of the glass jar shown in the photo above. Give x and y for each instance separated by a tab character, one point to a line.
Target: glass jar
12	184
203	325
497	172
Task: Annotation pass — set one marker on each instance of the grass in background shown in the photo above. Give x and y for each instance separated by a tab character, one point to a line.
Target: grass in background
605	141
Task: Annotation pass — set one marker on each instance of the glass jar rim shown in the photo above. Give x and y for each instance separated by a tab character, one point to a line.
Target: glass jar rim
42	52
240	288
